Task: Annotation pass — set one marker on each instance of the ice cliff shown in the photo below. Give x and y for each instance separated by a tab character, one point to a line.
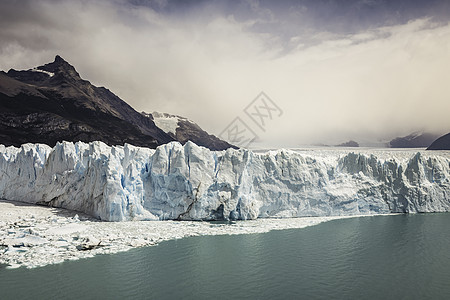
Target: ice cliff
193	183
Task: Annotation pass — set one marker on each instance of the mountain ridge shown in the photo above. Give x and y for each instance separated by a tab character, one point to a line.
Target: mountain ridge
414	140
51	103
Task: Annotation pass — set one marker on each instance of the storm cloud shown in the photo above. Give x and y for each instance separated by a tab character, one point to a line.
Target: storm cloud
366	70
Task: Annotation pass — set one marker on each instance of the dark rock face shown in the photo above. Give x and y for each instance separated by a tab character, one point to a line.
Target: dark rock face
414	140
442	143
53	103
348	144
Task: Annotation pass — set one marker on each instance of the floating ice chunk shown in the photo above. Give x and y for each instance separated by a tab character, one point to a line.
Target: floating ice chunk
26	241
66	229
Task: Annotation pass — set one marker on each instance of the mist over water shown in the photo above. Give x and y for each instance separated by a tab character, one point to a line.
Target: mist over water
391	257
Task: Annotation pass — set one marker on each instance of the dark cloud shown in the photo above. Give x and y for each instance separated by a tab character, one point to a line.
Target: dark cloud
340	70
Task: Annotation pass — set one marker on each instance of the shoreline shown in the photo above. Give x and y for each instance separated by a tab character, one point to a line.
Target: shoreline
35	236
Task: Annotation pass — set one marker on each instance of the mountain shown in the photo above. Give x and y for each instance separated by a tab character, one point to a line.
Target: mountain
350	143
52	103
442	143
183	130
414	140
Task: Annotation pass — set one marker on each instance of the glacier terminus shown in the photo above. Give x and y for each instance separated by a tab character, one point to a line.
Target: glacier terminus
123	183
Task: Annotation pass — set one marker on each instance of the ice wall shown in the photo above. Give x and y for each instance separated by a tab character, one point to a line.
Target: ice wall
193	183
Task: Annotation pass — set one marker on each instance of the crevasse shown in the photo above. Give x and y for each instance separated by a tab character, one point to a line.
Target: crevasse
189	182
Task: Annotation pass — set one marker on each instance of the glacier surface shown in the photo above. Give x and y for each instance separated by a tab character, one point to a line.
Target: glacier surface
189	182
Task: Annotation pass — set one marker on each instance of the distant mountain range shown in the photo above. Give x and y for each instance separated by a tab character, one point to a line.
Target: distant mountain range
52	103
350	143
428	140
414	140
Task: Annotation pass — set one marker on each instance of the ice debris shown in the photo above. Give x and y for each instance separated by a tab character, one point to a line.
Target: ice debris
44	239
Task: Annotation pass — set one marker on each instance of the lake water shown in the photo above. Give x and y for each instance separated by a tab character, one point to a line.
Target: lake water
383	257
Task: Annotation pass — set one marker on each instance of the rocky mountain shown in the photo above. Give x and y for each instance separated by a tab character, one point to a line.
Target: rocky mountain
52	103
350	143
182	129
442	143
414	140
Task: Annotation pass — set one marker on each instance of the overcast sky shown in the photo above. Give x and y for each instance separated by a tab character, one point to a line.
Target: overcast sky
365	70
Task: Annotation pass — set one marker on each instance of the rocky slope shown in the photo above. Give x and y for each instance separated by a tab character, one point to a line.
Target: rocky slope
442	143
52	103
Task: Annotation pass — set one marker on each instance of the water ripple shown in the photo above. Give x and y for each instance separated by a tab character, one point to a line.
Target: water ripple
386	257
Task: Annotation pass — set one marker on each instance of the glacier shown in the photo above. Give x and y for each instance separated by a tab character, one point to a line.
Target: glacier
123	183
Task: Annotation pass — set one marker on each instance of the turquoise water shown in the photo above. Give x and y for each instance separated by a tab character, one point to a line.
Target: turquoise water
384	257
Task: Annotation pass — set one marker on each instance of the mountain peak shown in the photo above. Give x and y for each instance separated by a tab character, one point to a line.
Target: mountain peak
61	66
55	71
60	61
52	102
58	64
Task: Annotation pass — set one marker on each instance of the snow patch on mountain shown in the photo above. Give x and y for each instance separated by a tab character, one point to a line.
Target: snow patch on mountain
50	74
194	183
167	123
